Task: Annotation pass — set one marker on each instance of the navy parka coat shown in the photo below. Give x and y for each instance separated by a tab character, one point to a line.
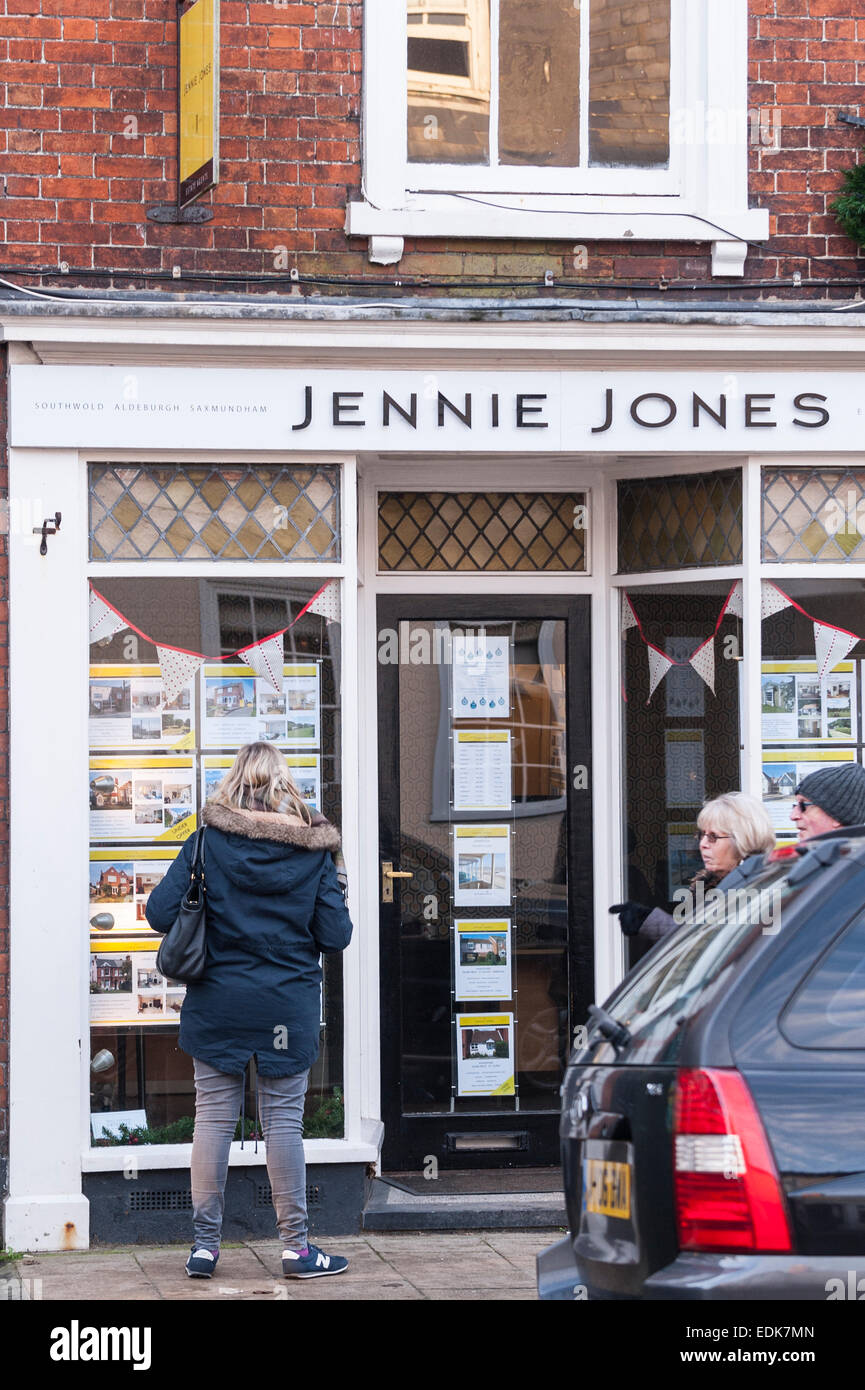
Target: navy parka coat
273	904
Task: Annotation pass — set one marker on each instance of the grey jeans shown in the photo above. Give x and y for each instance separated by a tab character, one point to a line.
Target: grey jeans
217	1107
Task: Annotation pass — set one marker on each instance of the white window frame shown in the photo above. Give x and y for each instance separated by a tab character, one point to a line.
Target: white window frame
703	196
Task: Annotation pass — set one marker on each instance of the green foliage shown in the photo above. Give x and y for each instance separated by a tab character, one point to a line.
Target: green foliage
849	208
328	1120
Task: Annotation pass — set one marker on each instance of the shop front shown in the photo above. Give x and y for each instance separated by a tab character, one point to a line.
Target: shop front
512	605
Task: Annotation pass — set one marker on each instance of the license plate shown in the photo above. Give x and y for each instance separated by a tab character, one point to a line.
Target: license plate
607	1188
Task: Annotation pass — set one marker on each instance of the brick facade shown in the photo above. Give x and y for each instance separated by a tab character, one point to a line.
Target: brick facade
4	793
88	141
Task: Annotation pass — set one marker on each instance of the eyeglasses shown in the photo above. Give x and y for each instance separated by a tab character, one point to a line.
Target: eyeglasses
710	837
804	806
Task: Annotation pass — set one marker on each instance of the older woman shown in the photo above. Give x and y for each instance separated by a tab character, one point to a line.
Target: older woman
731	827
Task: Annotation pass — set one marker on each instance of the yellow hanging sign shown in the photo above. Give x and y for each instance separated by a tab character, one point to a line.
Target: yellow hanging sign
198	100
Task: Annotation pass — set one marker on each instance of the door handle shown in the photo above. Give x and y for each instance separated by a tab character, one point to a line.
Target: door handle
388	874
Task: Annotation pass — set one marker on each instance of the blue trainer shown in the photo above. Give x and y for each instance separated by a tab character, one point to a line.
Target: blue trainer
201	1263
311	1265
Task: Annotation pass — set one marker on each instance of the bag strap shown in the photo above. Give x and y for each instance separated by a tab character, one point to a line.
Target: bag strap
197	869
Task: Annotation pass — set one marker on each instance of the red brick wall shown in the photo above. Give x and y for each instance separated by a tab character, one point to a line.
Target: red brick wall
75	71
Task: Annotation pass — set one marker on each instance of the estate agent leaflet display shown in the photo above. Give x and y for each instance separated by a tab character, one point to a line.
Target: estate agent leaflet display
151	801
804	719
482	781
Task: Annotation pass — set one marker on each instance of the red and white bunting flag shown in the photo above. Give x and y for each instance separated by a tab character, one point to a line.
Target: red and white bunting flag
771	600
104	622
177	669
266	659
326	604
703	662
831	645
734	603
629	617
659	665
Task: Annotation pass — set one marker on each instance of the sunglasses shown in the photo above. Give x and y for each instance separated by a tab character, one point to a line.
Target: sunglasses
804	806
710	837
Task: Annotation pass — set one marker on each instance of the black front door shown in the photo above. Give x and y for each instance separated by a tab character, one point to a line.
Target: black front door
485	878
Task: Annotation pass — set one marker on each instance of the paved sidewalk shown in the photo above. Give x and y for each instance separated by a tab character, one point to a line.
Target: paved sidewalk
401	1267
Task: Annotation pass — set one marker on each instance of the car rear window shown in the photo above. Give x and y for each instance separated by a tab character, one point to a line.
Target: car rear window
828	1009
665	990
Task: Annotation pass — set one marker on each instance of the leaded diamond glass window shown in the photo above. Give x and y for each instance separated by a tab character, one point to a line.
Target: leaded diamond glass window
680	523
482	531
813	515
202	512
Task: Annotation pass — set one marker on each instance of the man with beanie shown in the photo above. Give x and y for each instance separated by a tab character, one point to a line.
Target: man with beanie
829	799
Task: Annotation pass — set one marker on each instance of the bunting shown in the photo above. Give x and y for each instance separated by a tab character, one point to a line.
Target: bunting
659	665
326	602
703	662
177	669
178	666
266	659
831	644
105	621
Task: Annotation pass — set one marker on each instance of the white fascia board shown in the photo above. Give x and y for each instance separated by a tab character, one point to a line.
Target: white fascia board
441	215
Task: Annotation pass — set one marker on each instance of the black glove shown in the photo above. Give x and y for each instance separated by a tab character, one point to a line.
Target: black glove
631	916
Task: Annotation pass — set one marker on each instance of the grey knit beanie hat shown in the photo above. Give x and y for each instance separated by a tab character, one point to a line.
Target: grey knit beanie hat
839	791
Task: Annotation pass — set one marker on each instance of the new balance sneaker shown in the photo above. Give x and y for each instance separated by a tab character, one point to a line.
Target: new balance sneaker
201	1263
311	1265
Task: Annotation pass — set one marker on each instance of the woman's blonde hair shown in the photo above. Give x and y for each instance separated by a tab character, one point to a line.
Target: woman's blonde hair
259	780
743	818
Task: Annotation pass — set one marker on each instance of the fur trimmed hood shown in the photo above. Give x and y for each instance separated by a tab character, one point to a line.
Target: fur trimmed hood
271	825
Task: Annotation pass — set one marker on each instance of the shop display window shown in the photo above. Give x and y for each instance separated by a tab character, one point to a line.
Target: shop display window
682	743
810	718
153	762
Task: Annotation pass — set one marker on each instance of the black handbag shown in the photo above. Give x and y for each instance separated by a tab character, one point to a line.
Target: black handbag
183	953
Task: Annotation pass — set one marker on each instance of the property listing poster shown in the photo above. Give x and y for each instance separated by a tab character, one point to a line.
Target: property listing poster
798	707
121	881
126	987
685	766
683	855
128	710
784	769
305	770
482	865
237	707
146	798
482	770
481	676
485	1054
482	965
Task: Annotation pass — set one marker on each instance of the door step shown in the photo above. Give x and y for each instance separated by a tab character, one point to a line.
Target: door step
392	1207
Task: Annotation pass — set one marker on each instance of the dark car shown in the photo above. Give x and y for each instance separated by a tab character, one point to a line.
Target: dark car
713	1127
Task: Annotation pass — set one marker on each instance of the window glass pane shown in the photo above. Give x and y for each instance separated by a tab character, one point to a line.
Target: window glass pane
675	523
539	83
815	515
629	83
247	512
152	764
490	531
449	82
829	1010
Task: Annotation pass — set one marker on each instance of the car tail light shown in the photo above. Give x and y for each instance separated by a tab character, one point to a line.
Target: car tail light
728	1196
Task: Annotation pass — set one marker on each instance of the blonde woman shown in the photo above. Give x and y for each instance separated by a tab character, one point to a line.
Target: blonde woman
274	903
731	827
